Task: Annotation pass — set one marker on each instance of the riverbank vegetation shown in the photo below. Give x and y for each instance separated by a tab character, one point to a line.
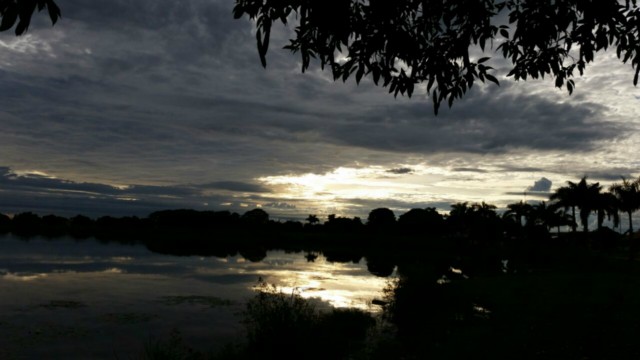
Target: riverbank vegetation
186	232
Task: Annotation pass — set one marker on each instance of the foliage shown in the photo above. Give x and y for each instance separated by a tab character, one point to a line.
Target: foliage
381	218
255	217
287	326
425	221
276	321
19	12
402	43
628	195
582	195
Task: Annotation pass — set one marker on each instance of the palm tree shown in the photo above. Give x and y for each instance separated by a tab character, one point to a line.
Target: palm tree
582	195
518	211
552	216
566	197
628	195
606	205
312	219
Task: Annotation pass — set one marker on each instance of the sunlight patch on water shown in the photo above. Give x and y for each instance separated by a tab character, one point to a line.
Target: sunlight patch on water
340	285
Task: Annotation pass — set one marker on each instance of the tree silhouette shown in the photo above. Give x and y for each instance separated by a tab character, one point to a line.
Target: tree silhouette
628	195
549	216
587	196
381	218
518	211
567	197
479	221
19	13
312	219
255	217
606	204
5	224
421	221
402	43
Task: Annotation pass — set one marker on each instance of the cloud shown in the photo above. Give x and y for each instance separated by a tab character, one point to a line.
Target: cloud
466	169
614	174
542	186
170	99
235	186
280	205
31	191
493	122
510	168
400	171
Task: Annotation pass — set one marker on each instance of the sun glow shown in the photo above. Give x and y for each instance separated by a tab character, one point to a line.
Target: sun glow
347	191
334	189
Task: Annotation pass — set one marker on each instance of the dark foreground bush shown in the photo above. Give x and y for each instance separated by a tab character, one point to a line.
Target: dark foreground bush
287	326
283	326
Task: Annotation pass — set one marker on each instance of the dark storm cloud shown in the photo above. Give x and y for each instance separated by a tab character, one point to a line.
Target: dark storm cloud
198	20
400	171
39	193
172	92
496	122
35	182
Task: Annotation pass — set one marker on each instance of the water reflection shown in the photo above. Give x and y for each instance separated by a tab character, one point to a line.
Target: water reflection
115	281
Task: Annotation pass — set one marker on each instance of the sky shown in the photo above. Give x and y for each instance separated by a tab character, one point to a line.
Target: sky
127	107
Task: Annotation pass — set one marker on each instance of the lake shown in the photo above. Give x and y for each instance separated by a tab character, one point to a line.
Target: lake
69	299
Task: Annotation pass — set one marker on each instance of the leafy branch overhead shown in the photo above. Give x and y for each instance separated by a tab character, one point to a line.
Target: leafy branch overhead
19	12
402	43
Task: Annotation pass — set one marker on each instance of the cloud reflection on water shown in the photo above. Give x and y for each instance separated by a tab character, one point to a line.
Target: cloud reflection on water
124	279
339	284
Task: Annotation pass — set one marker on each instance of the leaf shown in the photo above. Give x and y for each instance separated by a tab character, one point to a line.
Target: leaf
492	79
359	74
9	18
504	33
54	11
263	43
481	60
22	27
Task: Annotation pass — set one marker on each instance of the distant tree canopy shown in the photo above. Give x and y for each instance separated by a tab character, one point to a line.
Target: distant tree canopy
402	43
256	217
19	13
381	218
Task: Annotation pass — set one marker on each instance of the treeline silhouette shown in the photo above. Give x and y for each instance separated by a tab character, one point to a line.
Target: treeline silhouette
467	227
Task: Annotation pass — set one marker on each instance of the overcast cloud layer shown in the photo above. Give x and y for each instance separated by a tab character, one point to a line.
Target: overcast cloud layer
128	107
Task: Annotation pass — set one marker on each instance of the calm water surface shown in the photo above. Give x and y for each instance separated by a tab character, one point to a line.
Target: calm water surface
64	299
